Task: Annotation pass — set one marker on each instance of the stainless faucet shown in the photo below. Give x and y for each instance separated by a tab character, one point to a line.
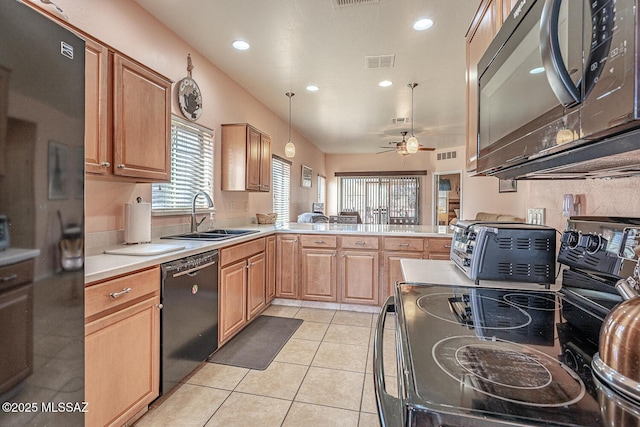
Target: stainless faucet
194	221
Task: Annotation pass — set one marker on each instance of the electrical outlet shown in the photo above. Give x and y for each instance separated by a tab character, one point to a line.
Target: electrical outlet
535	216
233	205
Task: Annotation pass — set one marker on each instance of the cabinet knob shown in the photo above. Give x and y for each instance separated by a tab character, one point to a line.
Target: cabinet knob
160	306
121	166
106	164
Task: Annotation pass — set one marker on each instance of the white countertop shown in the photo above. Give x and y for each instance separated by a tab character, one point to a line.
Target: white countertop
103	266
446	273
13	255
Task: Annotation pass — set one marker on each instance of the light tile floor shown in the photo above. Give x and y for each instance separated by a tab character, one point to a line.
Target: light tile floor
323	376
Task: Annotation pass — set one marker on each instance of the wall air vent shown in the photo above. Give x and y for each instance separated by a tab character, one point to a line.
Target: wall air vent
380	61
447	155
344	3
401	120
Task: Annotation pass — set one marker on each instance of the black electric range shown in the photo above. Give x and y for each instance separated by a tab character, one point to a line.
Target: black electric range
470	356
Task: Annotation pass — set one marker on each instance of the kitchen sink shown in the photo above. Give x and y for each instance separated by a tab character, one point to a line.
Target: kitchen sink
211	235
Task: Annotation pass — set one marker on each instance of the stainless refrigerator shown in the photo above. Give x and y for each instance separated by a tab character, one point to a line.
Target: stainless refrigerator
42	219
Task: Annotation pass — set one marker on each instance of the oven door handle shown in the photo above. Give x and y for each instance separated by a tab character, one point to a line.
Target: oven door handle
389	407
555	69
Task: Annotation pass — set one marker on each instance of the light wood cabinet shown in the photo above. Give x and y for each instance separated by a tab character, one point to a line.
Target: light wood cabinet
246	158
271	268
242	286
128	117
122	347
359	276
482	30
287	266
16	334
437	248
392	270
318	281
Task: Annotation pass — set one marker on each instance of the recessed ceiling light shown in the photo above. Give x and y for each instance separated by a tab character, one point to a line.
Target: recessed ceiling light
385	83
313	88
240	45
422	24
536	70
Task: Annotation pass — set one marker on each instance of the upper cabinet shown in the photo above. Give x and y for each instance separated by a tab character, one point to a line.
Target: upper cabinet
128	117
484	26
246	158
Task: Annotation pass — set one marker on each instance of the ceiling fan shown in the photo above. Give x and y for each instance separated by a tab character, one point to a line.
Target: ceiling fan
401	146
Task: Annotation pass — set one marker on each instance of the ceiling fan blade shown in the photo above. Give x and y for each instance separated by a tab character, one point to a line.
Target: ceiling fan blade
426	149
386	151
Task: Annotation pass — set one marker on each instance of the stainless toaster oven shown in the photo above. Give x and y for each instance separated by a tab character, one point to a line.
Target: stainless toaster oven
505	251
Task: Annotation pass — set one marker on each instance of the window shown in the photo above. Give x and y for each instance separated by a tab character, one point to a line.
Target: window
390	199
281	185
322	188
191	168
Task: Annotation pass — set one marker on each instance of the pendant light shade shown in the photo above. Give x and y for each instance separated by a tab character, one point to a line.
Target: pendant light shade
289	148
412	142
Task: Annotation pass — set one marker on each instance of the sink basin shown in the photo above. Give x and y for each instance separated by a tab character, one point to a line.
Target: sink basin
211	235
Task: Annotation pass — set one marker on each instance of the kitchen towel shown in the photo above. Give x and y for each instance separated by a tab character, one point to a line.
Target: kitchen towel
137	222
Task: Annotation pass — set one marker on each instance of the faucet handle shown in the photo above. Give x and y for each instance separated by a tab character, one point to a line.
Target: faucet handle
201	221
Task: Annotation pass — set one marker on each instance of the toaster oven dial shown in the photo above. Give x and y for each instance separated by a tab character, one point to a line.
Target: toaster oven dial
593	243
469	249
466	262
571	239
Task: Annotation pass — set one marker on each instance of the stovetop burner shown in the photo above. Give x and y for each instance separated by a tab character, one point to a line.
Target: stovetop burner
508	371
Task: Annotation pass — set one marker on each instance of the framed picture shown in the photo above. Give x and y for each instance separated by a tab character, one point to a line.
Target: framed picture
307	174
58	171
507	186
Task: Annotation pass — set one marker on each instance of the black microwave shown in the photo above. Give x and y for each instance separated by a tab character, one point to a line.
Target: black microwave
558	91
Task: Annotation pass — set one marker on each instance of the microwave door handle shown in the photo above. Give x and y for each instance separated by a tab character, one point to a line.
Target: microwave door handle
555	69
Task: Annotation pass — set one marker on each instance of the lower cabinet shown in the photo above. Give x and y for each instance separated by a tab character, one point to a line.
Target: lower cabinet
318	281
122	347
359	277
392	269
287	266
437	248
271	268
242	286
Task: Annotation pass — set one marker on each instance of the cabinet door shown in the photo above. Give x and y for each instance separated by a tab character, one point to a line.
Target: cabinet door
232	299
253	159
287	270
359	277
256	285
122	363
16	336
393	270
141	122
265	163
271	268
96	142
438	248
479	37
318	279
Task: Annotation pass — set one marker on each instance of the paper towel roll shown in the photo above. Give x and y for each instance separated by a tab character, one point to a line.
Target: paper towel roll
137	222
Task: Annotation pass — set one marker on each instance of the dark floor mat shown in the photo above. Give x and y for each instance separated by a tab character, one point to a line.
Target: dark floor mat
257	345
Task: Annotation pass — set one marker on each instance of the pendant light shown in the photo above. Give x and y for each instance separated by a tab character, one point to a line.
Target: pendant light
289	148
412	142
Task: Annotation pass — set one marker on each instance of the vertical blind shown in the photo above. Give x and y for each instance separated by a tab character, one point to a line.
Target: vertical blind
281	185
191	168
381	199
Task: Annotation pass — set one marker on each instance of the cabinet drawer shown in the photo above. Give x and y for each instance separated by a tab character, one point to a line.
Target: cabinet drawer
115	293
403	244
243	250
16	274
438	245
319	241
359	242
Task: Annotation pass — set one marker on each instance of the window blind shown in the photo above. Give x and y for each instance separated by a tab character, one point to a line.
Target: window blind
191	168
281	185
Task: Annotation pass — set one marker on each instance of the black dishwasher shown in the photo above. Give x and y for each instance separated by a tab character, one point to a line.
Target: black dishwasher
189	321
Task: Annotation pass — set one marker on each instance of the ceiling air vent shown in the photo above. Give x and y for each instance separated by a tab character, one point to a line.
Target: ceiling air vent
447	155
380	61
344	3
401	120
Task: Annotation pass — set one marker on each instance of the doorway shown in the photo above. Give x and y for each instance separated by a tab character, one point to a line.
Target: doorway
447	197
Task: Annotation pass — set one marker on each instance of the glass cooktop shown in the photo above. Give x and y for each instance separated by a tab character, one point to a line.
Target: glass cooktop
516	357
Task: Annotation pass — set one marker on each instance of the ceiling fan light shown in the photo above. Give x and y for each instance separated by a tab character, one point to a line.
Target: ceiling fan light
289	149
412	145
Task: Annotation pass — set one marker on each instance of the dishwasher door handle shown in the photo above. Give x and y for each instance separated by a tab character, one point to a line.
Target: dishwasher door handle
389	407
195	270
